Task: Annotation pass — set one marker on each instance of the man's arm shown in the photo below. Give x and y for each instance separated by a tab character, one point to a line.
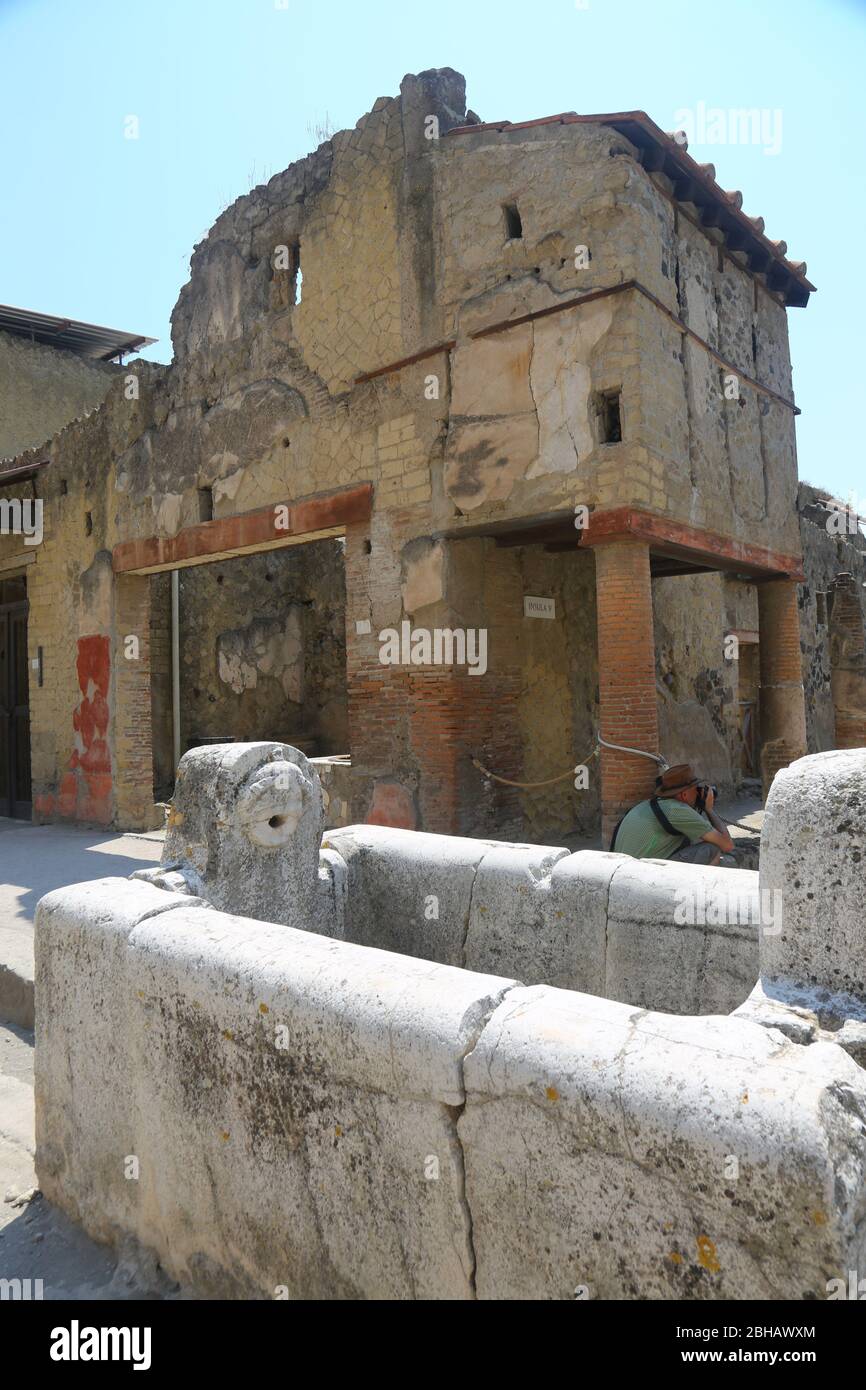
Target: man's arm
719	835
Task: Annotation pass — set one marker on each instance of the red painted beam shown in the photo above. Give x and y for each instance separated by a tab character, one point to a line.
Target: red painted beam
668	537
282	523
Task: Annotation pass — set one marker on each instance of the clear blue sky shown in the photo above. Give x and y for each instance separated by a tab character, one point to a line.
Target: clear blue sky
98	227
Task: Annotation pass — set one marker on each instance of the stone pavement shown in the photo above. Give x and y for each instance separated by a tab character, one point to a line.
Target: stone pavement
33	860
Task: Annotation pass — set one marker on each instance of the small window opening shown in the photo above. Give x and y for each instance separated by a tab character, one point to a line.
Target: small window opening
88	523
609	418
64	487
513	222
205	504
821	603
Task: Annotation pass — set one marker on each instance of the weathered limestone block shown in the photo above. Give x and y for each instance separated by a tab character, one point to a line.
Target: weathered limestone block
289	1100
635	1155
813	853
86	1062
681	938
545	909
408	891
245	832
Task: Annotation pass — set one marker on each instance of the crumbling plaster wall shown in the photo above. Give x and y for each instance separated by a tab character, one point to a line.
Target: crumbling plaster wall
698	685
521	426
829	549
42	388
263	648
729	465
522	434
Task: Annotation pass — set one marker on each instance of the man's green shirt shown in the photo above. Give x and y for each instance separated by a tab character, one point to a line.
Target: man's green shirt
642	836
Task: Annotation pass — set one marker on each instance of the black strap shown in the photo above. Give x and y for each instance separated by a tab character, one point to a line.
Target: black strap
615	833
663	822
666	825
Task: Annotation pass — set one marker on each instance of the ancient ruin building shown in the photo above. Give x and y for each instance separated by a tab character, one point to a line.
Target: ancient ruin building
436	370
52	371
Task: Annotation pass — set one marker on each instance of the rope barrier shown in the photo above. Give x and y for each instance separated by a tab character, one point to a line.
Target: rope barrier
548	781
561	777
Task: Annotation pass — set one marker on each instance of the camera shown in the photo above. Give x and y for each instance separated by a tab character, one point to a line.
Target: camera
701	800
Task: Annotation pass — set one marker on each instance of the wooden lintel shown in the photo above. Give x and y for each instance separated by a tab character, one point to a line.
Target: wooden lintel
681	542
269	528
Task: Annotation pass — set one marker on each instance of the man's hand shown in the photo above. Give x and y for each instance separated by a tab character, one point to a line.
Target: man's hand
719	835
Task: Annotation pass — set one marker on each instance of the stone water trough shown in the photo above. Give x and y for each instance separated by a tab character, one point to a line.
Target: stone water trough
397	1065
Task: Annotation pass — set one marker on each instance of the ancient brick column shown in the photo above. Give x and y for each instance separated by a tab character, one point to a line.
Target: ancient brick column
848	663
131	721
782	699
626	676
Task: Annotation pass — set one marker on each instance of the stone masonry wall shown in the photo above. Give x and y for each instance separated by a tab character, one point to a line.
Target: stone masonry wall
42	388
263	653
830	548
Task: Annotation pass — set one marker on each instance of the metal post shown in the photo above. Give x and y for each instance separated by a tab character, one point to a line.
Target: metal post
175	665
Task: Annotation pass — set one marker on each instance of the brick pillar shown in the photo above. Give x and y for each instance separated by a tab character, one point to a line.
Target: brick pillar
454	717
131	723
848	663
782	699
626	676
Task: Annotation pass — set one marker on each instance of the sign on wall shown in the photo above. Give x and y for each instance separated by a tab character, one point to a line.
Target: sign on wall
538	607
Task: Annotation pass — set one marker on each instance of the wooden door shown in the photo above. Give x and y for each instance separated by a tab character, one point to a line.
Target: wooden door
15	796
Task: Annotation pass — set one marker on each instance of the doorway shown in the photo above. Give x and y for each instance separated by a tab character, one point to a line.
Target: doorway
15	795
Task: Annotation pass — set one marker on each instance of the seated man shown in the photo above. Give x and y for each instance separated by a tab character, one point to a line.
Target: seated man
671	826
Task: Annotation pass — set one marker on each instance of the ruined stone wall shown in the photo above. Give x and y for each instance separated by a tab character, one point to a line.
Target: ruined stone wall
728	464
698	686
831	548
263	649
523	424
558	704
42	388
522	434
